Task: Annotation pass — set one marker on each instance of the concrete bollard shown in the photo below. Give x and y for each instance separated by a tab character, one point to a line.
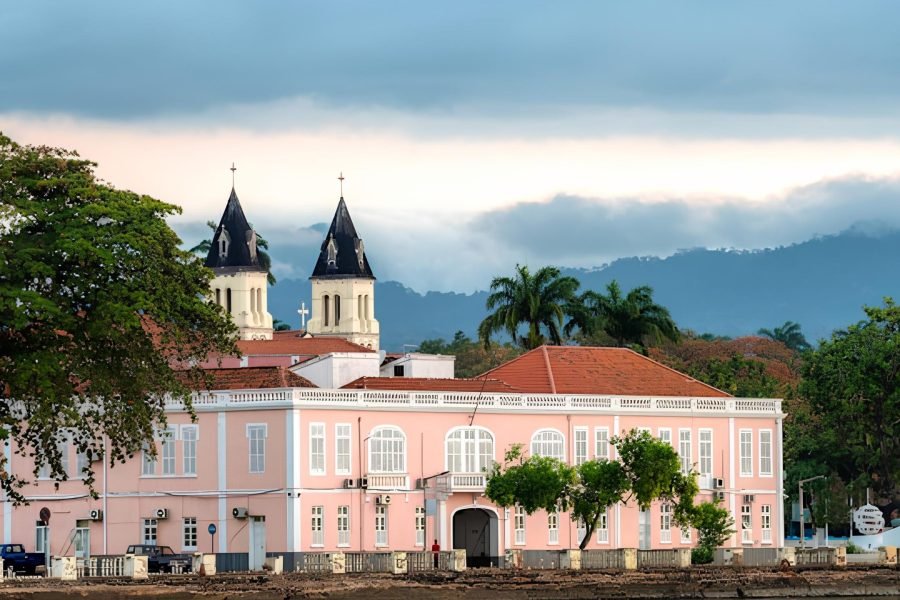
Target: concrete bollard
398	563
205	563
136	567
274	565
630	558
683	558
458	560
570	559
890	555
64	568
840	556
338	563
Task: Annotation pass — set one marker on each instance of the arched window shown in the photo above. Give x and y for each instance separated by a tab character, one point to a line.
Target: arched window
387	450
228	300
548	442
326	307
218	296
223	242
252	300
359	307
469	450
337	310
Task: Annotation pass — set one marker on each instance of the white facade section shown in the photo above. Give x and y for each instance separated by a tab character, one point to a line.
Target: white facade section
337	369
426	366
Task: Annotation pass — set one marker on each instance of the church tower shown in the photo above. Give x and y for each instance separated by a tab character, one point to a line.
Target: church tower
239	285
343	286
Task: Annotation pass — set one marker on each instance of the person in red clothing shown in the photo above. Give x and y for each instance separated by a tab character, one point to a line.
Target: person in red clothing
436	549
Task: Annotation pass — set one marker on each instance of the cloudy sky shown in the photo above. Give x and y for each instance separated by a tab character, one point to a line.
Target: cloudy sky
476	135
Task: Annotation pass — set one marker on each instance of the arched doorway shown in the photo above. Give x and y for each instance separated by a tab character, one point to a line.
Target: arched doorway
476	531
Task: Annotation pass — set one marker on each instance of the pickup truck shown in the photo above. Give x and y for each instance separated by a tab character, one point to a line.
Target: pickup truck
162	559
14	556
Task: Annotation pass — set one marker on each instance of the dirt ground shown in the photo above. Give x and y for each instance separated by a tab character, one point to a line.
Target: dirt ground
486	584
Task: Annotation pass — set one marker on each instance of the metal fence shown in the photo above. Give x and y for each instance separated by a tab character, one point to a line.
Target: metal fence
368	562
101	566
815	556
232	562
602	559
428	561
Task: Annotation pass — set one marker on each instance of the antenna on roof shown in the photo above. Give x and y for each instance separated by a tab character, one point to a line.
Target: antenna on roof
341	179
478	400
233	169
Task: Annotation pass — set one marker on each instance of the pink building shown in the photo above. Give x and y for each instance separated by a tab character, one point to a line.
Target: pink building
280	465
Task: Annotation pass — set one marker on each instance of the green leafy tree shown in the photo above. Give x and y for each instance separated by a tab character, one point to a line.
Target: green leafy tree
617	319
98	305
536	301
789	334
851	385
647	470
714	525
279	325
262	247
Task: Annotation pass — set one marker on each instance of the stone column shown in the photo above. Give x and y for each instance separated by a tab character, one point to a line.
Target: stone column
630	558
398	563
570	559
136	567
274	565
64	568
338	563
458	560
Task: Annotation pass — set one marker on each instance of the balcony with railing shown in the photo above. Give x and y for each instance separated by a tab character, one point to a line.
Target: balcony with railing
461	482
387	481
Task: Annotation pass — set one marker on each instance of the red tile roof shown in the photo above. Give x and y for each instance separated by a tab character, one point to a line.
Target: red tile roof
298	346
415	384
589	370
255	378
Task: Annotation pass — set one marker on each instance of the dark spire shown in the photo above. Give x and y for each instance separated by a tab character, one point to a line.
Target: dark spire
343	253
234	241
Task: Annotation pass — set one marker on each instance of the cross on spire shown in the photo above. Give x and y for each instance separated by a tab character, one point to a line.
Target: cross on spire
303	312
233	169
341	179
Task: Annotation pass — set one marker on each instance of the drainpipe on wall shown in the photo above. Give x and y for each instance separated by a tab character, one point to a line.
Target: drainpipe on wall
359	452
572	459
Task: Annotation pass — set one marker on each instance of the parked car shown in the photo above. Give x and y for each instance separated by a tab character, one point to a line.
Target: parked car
14	556
161	559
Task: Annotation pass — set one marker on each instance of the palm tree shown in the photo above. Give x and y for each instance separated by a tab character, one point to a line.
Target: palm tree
265	261
537	301
632	319
788	334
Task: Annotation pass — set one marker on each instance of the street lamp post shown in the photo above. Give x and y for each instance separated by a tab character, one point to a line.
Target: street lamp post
800	487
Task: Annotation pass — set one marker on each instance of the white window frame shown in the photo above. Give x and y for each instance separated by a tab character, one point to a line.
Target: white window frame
343	457
387	454
684	450
168	452
665	435
420	526
705	463
258	433
41	536
188	531
545	441
580	531
553	529
150	532
601	443
317	526
190	435
317	443
665	523
745	450
765	458
519	525
381	526
148	463
765	521
746	524
581	445
603	528
468	450
343	526
685	535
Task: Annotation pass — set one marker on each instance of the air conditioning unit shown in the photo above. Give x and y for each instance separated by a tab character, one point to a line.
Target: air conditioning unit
382	499
363	482
96	514
719	495
162	513
718	483
240	512
349	484
749	498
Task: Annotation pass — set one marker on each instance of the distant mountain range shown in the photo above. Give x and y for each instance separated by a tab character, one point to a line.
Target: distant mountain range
821	284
